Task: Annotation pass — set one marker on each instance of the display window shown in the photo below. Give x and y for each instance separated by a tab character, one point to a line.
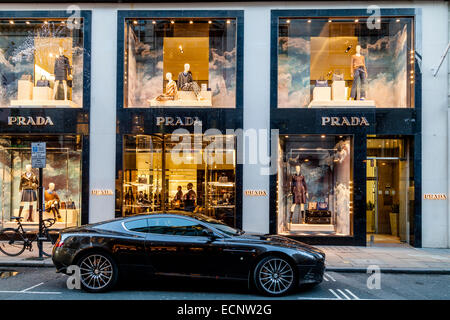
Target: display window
315	185
41	63
187	172
19	182
346	62
180	62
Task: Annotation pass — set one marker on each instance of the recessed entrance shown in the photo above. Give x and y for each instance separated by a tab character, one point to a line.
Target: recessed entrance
390	191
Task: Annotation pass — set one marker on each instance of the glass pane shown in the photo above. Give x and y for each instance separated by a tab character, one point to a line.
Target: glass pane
19	182
345	62
315	185
137	225
180	62
175	227
196	174
42	63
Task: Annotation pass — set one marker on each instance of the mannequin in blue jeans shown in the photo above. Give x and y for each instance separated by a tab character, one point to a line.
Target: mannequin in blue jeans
358	67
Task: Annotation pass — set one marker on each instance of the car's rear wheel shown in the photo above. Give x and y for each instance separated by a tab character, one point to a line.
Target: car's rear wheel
98	272
274	276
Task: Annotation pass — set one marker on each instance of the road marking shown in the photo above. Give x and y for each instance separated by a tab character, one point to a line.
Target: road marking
310	298
325	278
27	289
352	294
31	292
346	296
328	275
335	294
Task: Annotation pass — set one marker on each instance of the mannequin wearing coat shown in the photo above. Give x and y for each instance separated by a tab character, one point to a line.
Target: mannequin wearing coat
299	191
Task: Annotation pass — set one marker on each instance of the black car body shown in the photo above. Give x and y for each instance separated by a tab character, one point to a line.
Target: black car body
162	244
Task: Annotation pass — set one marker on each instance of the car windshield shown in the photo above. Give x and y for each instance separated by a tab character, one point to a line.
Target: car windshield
219	225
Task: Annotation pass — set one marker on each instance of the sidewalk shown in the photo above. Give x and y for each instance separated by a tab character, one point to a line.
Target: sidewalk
27	258
388	259
339	259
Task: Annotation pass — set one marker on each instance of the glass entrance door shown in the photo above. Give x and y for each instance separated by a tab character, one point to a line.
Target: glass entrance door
390	189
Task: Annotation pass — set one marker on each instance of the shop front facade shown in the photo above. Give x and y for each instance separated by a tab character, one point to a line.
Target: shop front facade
348	119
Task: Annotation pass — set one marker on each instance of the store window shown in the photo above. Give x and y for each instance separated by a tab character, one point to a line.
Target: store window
180	172
41	63
315	185
346	62
61	180
180	62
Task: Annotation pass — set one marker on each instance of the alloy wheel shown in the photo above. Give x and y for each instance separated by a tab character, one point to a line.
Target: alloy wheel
276	276
96	271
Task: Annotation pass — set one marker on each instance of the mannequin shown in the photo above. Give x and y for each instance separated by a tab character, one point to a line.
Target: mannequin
185	82
300	192
189	198
28	186
358	70
171	89
62	71
52	201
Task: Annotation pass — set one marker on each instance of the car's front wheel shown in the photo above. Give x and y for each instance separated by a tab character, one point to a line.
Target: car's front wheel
274	276
98	272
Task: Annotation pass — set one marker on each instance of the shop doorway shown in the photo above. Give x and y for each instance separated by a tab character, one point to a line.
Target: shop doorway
182	172
390	191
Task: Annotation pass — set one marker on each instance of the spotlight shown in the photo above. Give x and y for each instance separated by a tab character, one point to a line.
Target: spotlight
11	21
27	22
154	22
398	20
191	22
209	21
356	20
329	20
228	21
135	22
309	21
288	21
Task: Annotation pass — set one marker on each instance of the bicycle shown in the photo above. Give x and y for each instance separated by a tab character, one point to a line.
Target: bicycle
14	241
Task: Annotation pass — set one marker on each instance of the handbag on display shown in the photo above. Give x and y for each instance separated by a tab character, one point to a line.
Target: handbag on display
69	83
312	205
338	75
27	77
43	82
321	83
322	206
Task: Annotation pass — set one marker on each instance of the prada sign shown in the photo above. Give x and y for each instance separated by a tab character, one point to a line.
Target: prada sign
178	121
345	121
29	121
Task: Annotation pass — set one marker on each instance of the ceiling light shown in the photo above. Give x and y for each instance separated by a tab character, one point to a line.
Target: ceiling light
209	21
172	22
288	21
309	21
398	20
154	22
329	20
356	20
135	22
11	21
45	22
228	21
27	22
323	136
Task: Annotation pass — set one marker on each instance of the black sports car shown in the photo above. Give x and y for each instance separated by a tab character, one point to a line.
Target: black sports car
185	244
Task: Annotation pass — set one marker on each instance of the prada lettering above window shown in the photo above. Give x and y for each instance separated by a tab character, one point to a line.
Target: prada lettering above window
345	121
178	121
30	121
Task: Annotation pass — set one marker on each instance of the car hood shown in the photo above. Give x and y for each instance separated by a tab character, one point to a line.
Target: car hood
278	240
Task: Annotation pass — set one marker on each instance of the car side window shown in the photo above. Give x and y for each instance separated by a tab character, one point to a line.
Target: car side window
137	225
175	227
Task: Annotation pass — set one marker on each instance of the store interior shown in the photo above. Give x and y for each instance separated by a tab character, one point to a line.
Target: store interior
390	191
168	172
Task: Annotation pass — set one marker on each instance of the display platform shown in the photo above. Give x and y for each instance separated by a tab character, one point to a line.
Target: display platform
185	99
43	104
312	227
343	104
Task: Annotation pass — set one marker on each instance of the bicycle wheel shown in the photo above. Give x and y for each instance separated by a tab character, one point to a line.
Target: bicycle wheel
11	242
